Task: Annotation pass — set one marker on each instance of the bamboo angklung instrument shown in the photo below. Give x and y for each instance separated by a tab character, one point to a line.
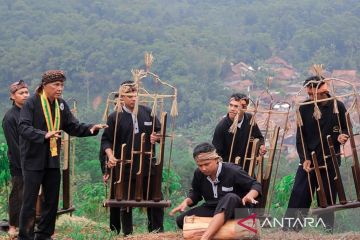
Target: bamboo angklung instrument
157	196
152	147
265	183
338	181
120	184
254	154
261	157
142	198
355	167
139	175
317	116
233	130
316	168
66	172
137	75
250	141
118	111
344	204
285	129
320	189
355	171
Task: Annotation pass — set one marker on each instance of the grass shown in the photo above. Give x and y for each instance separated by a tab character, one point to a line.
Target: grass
80	228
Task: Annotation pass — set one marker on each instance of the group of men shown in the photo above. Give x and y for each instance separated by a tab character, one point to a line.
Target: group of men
126	127
33	135
224	186
32	130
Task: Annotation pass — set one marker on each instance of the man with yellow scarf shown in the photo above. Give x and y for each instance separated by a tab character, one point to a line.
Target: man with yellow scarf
42	119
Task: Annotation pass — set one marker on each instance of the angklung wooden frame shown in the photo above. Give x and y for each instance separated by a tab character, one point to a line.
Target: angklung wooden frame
274	128
354	109
158	102
68	168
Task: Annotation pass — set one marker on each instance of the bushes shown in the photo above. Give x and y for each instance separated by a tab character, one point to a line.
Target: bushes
4	165
4	181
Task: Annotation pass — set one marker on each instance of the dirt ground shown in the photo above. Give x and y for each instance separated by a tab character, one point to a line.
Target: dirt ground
65	225
266	236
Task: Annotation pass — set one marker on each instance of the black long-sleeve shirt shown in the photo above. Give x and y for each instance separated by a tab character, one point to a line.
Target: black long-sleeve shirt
34	148
222	138
231	179
10	125
329	125
124	134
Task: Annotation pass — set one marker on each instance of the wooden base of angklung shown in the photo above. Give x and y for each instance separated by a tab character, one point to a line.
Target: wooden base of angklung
59	212
194	227
67	210
336	207
4	226
133	203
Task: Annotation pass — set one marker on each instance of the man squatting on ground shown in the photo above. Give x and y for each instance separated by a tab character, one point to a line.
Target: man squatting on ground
42	119
19	92
223	186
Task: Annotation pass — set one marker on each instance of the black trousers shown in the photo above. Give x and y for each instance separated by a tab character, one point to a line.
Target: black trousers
122	217
227	204
15	200
300	198
50	181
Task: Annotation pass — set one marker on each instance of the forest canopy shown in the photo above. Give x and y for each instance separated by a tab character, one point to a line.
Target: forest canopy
97	43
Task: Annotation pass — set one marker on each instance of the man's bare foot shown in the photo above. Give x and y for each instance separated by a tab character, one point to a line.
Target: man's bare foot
12	231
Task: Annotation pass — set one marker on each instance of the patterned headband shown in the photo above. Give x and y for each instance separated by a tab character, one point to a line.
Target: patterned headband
207	156
17	85
53	76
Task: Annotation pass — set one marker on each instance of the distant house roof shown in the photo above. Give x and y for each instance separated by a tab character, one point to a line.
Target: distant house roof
350	74
282	69
347	75
284	73
241	67
275	60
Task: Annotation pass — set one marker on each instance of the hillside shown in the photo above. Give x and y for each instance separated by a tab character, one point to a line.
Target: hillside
207	49
98	43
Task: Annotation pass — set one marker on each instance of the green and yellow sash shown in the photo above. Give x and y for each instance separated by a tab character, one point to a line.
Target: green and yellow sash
51	125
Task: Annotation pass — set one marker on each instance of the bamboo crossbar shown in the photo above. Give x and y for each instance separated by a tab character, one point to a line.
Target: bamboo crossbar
333	208
63	211
325	99
133	203
266	111
325	81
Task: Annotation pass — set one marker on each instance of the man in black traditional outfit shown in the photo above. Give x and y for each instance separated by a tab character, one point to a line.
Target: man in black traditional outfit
128	128
19	92
102	155
300	197
42	118
223	138
223	186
